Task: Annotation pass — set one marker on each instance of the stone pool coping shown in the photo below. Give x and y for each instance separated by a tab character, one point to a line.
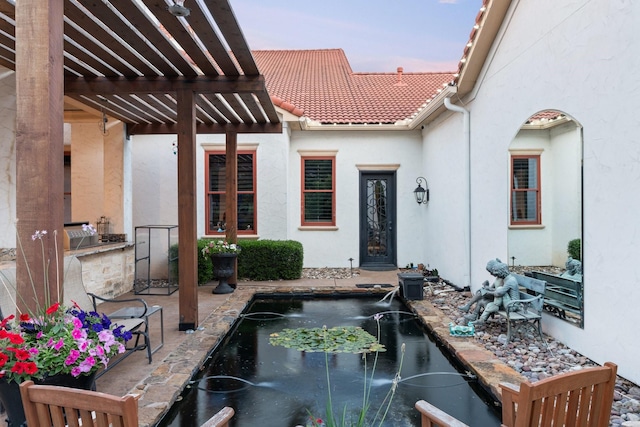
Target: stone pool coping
162	387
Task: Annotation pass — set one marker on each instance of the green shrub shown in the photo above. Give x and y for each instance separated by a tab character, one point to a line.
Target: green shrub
270	260
575	250
258	260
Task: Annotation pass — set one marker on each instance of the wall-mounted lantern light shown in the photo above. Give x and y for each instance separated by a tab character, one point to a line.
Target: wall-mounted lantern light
422	194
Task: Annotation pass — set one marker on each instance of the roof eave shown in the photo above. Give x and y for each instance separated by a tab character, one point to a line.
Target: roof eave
485	33
308	124
434	107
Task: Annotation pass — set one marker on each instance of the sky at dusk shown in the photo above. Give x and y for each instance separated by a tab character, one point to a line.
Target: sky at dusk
376	35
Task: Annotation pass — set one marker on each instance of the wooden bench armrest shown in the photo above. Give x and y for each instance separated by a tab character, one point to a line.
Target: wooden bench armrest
510	393
432	416
221	419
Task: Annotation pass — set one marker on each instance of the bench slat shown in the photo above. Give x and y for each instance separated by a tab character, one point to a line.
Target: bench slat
563	293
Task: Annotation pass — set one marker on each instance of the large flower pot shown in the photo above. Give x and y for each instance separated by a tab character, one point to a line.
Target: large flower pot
223	268
10	394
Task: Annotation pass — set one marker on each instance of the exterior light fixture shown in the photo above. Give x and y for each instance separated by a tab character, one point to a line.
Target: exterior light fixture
422	194
177	9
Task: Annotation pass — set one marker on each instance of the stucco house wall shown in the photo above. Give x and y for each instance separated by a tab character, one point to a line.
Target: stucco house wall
278	187
356	151
446	218
575	57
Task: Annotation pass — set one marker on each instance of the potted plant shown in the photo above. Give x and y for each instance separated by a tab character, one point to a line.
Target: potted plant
223	256
56	345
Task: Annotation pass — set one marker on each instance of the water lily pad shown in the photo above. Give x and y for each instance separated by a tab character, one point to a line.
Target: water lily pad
340	339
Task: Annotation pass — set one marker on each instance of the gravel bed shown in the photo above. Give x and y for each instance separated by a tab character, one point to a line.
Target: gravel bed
533	358
329	273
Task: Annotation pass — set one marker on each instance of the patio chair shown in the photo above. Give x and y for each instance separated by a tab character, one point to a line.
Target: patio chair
56	406
136	322
221	419
581	398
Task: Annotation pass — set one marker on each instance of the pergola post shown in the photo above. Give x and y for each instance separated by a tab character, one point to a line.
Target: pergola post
231	197
187	211
39	150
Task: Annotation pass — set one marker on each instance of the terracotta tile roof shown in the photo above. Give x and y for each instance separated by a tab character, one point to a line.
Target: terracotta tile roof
320	85
546	115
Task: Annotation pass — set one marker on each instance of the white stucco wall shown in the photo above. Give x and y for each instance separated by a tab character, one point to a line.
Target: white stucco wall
446	217
278	187
573	57
333	248
154	170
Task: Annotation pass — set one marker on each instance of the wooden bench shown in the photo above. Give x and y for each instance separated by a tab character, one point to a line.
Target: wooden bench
528	308
562	295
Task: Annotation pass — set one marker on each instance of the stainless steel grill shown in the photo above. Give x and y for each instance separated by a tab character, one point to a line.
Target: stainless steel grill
76	238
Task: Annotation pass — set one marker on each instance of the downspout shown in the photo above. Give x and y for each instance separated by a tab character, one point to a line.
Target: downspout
466	129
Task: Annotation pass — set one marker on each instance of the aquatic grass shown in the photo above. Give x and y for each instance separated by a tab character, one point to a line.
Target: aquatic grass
343	339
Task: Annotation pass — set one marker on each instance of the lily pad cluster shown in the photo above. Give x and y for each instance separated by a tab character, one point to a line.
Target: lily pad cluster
339	339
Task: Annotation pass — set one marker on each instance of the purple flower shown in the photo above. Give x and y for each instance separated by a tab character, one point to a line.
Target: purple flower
89	228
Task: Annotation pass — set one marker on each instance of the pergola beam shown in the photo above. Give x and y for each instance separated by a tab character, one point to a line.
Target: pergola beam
202	128
163	85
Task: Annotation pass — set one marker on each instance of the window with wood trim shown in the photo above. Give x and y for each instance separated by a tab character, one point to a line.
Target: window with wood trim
525	190
318	191
215	165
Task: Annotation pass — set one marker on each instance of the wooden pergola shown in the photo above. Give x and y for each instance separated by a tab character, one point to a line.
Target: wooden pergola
137	62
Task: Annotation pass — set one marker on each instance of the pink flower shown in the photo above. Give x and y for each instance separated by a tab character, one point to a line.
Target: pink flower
79	334
59	344
72	357
83	345
87	364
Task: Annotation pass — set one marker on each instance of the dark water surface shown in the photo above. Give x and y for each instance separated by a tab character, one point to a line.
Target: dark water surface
274	386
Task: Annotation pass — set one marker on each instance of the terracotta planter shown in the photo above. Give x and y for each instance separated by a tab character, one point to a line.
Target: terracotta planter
10	394
223	268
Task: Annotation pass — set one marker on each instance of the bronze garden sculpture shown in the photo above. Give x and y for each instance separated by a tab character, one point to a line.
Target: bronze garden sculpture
491	298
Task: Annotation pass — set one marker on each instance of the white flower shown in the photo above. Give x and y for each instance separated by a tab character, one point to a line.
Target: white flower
38	234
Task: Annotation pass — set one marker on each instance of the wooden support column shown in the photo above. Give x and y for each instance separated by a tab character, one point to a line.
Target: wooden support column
39	149
231	201
187	209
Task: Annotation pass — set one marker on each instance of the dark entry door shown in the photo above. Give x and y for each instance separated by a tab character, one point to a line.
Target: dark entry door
377	220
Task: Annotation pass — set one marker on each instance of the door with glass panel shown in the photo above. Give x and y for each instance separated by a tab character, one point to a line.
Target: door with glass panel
377	220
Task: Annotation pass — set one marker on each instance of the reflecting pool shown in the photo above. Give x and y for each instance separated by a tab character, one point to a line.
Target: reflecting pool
275	386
